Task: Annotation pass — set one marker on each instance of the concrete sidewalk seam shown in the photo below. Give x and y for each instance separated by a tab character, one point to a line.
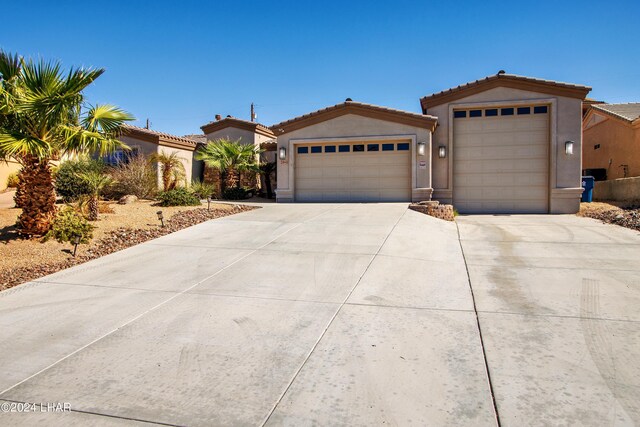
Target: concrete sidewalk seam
484	352
145	313
313	348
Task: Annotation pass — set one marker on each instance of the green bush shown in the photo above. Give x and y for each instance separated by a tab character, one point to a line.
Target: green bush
68	225
178	197
68	186
12	180
202	189
236	193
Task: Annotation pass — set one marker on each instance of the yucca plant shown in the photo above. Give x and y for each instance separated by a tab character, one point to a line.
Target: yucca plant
231	158
171	167
95	183
43	117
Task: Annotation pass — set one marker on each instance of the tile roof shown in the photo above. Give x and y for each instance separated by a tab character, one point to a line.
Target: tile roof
130	130
353	107
504	79
629	112
238	123
197	137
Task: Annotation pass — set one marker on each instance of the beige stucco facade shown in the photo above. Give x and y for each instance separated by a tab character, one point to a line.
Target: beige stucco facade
611	143
7	168
565	115
349	128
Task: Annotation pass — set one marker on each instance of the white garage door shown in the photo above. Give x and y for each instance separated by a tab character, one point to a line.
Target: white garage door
353	172
501	160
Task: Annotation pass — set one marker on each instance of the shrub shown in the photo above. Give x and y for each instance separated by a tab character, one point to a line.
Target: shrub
178	197
12	180
202	189
136	176
236	193
68	225
66	177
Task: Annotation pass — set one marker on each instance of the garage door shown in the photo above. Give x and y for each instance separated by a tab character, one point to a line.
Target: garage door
501	160
353	172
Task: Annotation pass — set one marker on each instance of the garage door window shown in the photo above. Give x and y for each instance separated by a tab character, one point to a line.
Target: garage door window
403	146
491	112
387	147
373	147
524	110
316	149
330	149
540	109
303	150
459	114
358	147
344	148
506	112
475	113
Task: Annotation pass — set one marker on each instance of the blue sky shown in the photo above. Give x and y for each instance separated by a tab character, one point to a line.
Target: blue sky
180	63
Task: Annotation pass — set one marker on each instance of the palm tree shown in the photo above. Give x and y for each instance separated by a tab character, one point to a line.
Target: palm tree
172	169
267	170
44	117
231	158
96	182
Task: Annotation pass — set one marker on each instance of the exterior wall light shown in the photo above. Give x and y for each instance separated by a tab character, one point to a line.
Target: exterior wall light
282	153
442	152
421	148
568	148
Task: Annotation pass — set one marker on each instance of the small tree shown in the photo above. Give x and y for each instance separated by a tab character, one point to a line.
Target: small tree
171	167
231	158
268	170
95	183
68	226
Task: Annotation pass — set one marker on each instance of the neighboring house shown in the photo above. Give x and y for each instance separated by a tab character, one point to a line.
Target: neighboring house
7	168
611	141
503	144
247	132
147	142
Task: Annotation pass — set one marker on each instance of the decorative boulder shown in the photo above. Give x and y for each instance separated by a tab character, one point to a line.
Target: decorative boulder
125	200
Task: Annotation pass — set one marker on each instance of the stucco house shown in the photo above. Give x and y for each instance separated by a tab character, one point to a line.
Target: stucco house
611	141
502	144
148	142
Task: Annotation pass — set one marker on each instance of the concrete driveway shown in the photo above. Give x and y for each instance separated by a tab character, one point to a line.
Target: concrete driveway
358	314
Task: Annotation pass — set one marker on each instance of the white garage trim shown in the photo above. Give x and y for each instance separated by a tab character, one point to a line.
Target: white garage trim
415	190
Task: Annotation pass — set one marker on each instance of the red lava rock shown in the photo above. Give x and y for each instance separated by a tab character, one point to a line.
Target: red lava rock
117	240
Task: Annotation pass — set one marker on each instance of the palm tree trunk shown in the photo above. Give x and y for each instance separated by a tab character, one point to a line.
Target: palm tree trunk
267	183
166	178
93	208
38	199
232	179
20	196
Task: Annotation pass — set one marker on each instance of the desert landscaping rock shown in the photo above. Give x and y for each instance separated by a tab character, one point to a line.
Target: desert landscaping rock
625	217
125	200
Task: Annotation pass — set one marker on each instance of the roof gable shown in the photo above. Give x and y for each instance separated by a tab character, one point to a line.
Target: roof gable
239	124
629	112
359	109
513	81
159	138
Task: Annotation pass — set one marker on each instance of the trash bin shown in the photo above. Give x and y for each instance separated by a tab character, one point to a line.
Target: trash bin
587	188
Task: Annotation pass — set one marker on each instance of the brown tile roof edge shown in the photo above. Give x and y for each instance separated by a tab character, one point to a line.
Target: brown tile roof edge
359	108
629	112
515	81
197	137
238	123
133	131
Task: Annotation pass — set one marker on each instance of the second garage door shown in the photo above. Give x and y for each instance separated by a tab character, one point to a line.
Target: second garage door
501	160
353	172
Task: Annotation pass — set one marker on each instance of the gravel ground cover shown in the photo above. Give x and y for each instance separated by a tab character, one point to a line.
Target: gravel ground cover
23	260
628	217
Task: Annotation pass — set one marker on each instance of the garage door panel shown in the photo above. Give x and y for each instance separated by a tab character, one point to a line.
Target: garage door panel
501	164
353	176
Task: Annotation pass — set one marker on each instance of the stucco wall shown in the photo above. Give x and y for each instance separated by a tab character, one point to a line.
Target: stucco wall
619	145
6	169
566	124
350	126
245	136
626	190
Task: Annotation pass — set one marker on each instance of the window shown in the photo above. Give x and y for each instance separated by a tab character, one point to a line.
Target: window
344	148
595	147
121	156
329	148
540	109
506	111
491	112
303	150
373	147
475	113
387	147
459	114
316	149
524	110
403	146
358	147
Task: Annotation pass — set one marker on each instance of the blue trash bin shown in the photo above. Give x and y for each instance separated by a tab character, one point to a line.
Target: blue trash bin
587	188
